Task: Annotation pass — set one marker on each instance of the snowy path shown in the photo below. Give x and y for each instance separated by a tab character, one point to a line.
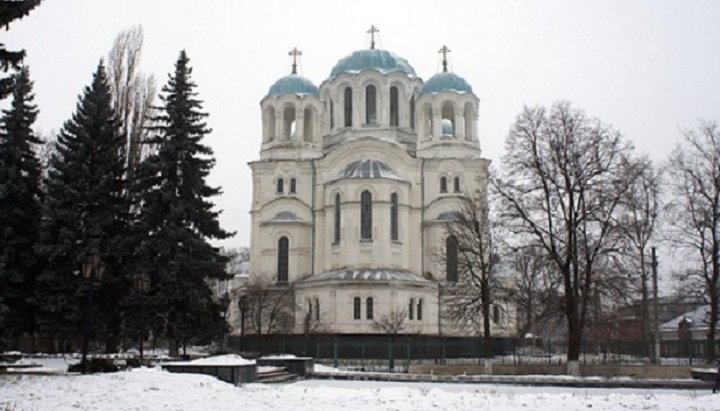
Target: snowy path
153	389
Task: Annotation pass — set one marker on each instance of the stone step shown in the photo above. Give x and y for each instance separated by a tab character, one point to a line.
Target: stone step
276	377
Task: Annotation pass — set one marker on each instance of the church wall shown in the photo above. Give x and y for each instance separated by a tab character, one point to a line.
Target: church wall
337	307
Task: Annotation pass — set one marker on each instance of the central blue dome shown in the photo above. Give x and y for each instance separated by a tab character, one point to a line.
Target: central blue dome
446	82
380	60
293	84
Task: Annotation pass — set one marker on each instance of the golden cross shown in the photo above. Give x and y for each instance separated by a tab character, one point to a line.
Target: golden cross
444	50
372	32
295	53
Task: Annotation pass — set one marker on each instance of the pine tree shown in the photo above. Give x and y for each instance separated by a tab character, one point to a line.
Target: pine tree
85	211
177	218
20	209
11	10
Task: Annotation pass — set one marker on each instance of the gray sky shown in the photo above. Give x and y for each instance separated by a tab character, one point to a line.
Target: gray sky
650	68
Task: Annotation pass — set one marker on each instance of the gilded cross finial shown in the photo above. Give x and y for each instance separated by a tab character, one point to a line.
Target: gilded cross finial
372	32
294	53
444	50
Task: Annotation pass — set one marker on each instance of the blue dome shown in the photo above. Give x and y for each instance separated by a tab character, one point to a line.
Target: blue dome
293	84
446	82
381	60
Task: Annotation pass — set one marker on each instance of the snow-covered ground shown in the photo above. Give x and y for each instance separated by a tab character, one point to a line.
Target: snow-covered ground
154	389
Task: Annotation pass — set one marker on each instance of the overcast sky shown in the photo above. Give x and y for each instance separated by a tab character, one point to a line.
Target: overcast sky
650	68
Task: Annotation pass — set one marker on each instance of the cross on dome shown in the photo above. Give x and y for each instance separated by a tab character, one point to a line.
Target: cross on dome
444	50
294	53
372	32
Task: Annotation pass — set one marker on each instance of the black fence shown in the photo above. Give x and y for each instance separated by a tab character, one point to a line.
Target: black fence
440	348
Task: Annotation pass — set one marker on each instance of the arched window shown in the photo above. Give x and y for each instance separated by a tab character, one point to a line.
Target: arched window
469	118
348	107
366	216
369	308
443	184
451	258
317	308
356	308
292	186
270	124
336	225
280	185
289	123
394	234
308	124
370	105
496	314
456	184
428	121
419	309
282	259
332	115
411	308
412	112
394	113
448	121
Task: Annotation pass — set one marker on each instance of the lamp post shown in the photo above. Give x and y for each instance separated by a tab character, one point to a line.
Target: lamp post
243	306
141	283
92	271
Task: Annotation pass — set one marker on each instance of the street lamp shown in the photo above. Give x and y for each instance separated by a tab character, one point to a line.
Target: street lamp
92	271
141	283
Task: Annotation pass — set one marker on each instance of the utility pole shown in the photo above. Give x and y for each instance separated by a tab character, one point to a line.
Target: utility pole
656	326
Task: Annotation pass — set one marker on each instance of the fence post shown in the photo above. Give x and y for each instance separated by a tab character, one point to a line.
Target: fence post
391	359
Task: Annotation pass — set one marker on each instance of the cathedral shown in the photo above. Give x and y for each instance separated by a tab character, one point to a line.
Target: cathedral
355	182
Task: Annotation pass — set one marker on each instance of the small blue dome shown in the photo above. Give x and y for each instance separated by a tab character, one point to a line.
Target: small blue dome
446	82
293	84
381	60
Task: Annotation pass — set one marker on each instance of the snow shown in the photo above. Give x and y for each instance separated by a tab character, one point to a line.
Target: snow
153	389
230	359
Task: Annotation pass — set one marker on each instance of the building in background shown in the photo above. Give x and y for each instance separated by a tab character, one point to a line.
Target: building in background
355	183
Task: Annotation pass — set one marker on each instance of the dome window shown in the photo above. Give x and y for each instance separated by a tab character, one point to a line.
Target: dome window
366	216
412	112
468	115
348	107
370	105
443	184
394	114
394	232
269	124
289	122
308	123
448	121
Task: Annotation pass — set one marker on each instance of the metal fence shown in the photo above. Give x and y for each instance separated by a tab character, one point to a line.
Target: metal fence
443	349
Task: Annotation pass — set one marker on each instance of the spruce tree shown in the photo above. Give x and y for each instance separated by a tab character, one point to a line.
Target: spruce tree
85	212
11	10
20	209
177	217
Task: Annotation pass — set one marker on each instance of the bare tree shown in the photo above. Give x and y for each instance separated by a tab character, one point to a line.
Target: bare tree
563	178
470	298
392	323
536	295
637	220
133	93
694	216
270	307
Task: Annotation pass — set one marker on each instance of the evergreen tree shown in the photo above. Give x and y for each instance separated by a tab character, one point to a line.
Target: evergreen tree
177	218
20	209
11	10
85	212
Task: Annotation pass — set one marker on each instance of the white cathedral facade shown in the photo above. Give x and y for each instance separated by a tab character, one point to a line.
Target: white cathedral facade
356	180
